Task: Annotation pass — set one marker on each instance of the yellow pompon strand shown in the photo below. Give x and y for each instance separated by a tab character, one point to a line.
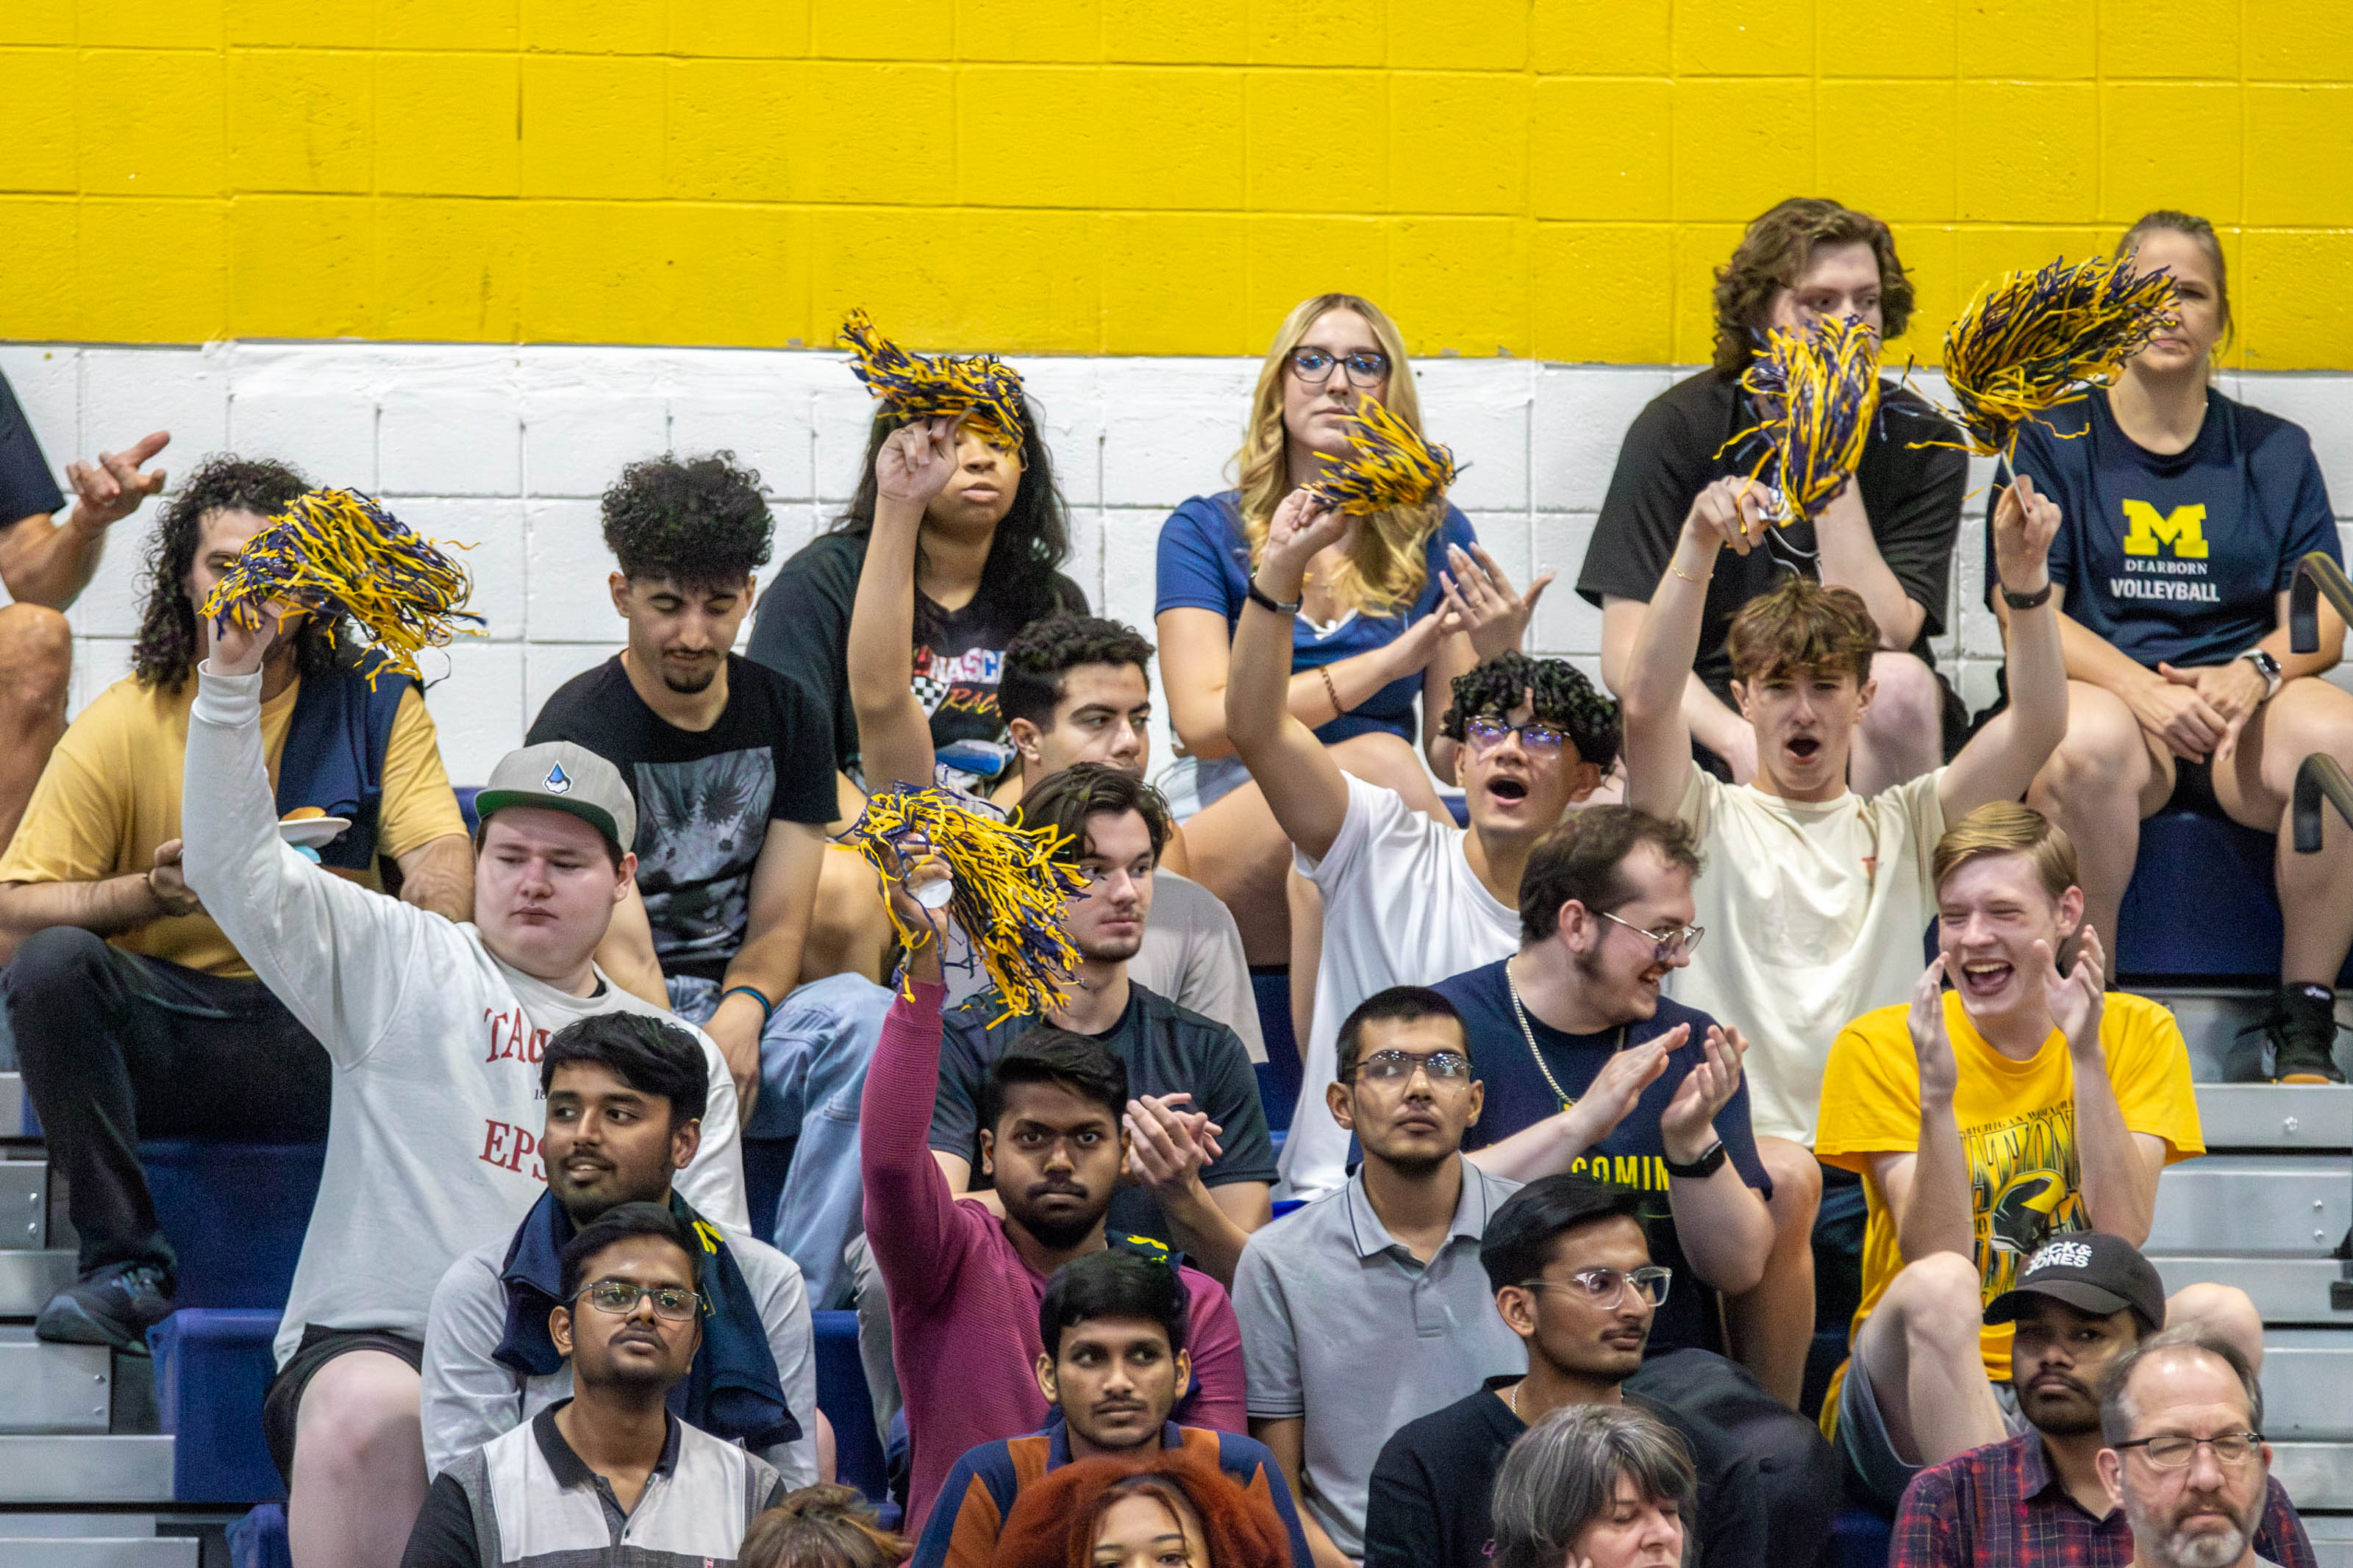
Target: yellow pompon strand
1820	390
337	555
979	389
2032	341
1389	464
1009	888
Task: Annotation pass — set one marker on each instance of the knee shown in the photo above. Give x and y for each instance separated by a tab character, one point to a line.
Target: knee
37	655
53	964
1797	1179
2224	1309
1938	1303
1905	696
360	1425
2102	753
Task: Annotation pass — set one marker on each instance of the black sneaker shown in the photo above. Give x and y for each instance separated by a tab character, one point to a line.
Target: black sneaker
2300	1040
115	1306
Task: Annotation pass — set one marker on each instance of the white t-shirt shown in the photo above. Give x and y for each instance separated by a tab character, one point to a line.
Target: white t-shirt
1815	914
1401	907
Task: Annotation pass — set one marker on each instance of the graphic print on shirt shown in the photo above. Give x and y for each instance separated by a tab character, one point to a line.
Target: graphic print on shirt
2023	1188
701	825
960	682
2164	555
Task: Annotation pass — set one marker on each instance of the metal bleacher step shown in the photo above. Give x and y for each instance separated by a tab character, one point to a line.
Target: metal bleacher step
2316	1475
84	1471
2253	1205
2286	1290
27	1280
12	1104
53	1388
2290	1117
2308	1387
23	1204
98	1551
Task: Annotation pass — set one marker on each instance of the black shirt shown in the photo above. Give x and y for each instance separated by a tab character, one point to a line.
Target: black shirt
704	798
1166	1048
1634	1155
27	487
1913	496
802	628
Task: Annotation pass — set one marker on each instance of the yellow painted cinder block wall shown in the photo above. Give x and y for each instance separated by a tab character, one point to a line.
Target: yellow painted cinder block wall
1545	177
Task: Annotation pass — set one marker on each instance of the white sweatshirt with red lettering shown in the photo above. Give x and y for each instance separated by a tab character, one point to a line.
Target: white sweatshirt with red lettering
438	1110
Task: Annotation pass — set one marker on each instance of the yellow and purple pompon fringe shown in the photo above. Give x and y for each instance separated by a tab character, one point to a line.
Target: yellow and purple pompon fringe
1009	888
2032	341
338	555
1389	464
1822	389
979	389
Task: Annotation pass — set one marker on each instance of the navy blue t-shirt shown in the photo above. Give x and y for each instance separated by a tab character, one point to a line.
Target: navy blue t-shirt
1205	565
1634	1155
27	487
2176	558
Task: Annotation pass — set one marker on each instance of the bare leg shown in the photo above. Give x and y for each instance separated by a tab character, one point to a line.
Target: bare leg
359	1464
1921	1346
1307	910
2224	1309
36	658
2308	715
1773	1325
1901	734
2098	785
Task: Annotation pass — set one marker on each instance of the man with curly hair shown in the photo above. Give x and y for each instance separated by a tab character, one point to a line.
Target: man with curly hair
134	1016
730	765
1888	537
1407	900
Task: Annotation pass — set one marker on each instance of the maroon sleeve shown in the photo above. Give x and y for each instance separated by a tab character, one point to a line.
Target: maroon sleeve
913	1223
1214	1338
2280	1538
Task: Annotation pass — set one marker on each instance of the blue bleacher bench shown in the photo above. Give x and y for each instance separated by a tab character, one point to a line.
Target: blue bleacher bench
2201	904
842	1394
212	1368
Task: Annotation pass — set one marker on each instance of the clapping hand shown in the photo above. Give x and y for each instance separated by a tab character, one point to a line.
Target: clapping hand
1620	1084
2076	998
1687	1126
1168	1147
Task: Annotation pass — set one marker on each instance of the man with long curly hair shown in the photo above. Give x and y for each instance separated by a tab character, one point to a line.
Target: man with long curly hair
134	1016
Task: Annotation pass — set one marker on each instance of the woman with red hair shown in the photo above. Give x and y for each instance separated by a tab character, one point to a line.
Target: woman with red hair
1166	1510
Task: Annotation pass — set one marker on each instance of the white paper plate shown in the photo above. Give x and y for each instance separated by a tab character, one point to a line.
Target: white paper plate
313	832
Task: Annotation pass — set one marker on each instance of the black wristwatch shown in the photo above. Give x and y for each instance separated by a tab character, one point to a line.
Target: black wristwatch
2268	668
1265	601
1706	1165
2034	601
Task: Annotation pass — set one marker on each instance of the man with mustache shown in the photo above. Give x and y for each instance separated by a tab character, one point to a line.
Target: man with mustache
2185	1461
964	1283
2037	1500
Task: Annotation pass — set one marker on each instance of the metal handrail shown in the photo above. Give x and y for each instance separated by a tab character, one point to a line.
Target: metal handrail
2319	776
2317	575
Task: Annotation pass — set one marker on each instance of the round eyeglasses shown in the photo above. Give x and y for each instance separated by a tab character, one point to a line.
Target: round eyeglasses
1666	945
1396	1066
620	1298
1603	1288
1314	367
1536	740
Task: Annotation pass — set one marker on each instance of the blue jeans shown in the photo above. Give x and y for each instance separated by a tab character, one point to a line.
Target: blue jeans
813	1057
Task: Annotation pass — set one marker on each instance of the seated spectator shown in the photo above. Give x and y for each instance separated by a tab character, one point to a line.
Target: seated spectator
965	1284
625	1101
44	563
1179	1511
1381	624
1593	1486
1585	1068
989	551
135	1015
434	1031
2036	1499
821	1526
1820	891
1410	899
2186	1463
1888	536
2027	1103
1571	1271
727	763
1324	1296
1114	1366
2186	512
610	1475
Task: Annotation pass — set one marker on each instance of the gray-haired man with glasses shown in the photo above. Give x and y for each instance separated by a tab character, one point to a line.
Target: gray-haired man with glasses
2186	1463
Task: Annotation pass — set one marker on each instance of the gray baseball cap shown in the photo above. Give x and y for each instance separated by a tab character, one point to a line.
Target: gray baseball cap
561	775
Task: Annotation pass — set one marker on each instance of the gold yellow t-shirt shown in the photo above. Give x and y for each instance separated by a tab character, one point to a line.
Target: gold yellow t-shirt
2018	1133
110	796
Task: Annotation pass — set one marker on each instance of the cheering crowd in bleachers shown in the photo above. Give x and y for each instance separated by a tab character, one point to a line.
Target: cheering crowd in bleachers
1543	1284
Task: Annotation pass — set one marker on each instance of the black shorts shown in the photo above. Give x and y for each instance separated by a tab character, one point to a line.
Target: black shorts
283	1404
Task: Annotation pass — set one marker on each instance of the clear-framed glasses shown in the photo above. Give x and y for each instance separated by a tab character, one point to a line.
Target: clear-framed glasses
1603	1288
2170	1451
620	1298
1396	1066
1669	944
1314	367
1536	740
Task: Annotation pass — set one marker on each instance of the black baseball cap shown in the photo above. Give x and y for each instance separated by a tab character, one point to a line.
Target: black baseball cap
2090	1271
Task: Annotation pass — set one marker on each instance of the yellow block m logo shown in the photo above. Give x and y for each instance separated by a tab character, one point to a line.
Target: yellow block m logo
2184	530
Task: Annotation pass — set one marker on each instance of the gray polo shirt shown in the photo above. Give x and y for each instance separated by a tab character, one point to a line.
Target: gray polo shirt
1343	1325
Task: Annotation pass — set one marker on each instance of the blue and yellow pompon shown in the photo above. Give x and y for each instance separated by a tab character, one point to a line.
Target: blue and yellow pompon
979	389
1009	888
1389	464
337	555
1818	392
2032	341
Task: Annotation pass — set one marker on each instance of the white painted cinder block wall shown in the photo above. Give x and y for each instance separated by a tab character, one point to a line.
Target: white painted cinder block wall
508	447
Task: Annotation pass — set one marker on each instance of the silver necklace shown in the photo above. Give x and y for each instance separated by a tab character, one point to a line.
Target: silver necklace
1520	1011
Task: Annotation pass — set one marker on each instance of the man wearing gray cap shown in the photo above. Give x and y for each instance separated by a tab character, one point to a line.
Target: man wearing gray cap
435	1029
2036	1499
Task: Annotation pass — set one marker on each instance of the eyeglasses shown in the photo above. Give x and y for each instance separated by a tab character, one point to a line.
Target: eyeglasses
620	1298
1314	367
1536	740
1396	1066
1667	945
1603	1288
2170	1452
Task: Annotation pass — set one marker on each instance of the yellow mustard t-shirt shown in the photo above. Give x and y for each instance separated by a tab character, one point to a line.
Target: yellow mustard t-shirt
2017	1133
111	797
